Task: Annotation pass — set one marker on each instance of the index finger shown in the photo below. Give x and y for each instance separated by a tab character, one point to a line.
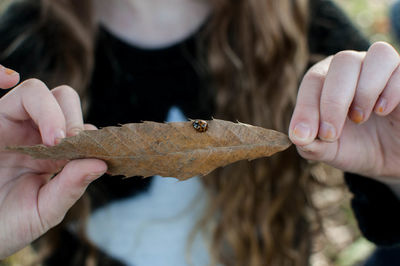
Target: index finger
33	100
304	124
8	77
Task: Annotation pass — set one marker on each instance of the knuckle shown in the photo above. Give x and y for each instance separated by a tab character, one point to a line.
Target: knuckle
65	90
385	50
75	194
315	74
306	106
74	129
51	219
347	56
333	105
34	83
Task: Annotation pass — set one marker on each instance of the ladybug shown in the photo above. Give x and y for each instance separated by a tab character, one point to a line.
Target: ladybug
200	125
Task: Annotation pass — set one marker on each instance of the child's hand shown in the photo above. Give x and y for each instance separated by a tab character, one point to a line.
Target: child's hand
347	112
33	197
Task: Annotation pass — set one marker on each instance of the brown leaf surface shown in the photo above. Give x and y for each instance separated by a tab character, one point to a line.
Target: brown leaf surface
173	149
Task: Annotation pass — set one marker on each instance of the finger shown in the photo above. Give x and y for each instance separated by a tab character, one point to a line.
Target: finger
59	195
318	150
70	104
89	127
33	100
340	153
390	97
338	92
305	119
379	64
8	77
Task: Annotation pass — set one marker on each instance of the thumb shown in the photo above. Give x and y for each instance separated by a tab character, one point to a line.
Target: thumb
319	150
60	193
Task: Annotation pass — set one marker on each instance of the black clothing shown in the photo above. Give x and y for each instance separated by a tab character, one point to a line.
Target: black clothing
131	84
375	207
384	256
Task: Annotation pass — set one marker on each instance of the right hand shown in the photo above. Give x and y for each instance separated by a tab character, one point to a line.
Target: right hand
32	198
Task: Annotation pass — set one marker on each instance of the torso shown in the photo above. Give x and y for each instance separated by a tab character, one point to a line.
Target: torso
142	74
132	84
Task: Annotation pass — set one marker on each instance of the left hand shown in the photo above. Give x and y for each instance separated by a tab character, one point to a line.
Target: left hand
347	112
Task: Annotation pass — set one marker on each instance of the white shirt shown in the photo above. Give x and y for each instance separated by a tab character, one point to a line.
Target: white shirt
152	229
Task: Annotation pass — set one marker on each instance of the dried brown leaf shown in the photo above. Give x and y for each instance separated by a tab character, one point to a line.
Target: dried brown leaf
173	149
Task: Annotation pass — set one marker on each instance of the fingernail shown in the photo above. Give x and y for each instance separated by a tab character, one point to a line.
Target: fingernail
327	132
356	115
304	149
58	136
381	106
302	132
9	71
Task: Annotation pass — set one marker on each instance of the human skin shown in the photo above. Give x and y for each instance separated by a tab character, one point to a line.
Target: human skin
339	119
347	113
31	200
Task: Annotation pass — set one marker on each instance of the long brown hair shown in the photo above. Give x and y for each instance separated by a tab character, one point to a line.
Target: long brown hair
63	38
257	52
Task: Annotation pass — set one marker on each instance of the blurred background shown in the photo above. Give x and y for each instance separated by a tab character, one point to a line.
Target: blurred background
339	243
372	17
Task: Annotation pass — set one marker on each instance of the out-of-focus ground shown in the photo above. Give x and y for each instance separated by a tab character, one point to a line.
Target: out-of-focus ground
340	242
